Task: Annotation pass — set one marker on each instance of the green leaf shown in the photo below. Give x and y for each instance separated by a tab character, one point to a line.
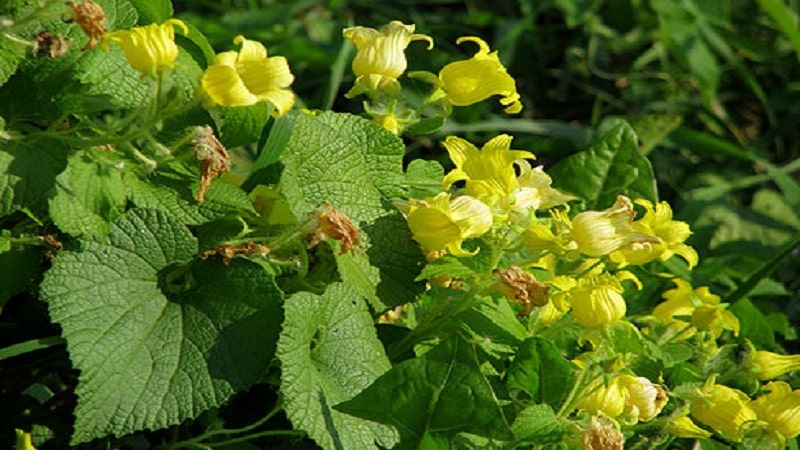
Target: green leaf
611	166
538	423
329	352
785	18
539	370
434	396
424	178
11	54
243	125
355	166
158	341
753	324
27	174
21	268
495	325
176	197
89	196
196	44
151	11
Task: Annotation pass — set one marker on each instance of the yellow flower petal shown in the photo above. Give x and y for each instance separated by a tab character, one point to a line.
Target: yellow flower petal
478	78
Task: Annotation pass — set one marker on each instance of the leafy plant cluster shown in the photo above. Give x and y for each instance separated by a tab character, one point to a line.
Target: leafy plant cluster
190	262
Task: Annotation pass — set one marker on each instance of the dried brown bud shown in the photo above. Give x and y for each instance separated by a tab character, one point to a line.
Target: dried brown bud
521	287
228	252
91	18
213	156
603	435
335	224
51	44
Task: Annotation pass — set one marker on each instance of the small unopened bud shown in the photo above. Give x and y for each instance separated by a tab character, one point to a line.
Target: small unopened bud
213	156
335	224
91	18
521	287
602	435
51	44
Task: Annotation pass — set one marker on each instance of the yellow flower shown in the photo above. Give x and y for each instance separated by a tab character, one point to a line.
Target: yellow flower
598	233
478	78
768	365
780	409
489	172
705	309
607	397
150	48
724	409
380	57
23	440
645	399
670	233
534	191
440	223
597	301
683	427
249	77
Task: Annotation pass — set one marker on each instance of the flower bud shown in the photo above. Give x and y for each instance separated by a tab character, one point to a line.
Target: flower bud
683	427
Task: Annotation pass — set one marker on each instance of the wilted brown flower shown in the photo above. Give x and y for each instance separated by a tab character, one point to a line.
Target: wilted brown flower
228	252
335	224
51	44
215	159
521	287
91	18
602	435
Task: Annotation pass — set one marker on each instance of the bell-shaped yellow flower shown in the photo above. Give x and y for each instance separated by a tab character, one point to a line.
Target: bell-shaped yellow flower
478	78
598	233
441	223
724	409
606	396
380	57
489	172
249	77
767	365
149	49
704	308
597	301
780	409
645	399
671	235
